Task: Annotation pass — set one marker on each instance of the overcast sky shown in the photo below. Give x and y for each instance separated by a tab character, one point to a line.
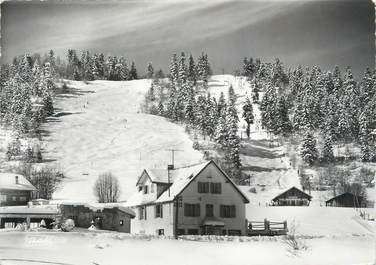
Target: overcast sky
326	33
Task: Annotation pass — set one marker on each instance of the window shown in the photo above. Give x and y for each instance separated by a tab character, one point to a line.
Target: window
23	198
209	210
3	198
142	212
145	189
227	211
160	232
121	223
216	188
203	187
152	188
14	198
181	232
191	210
234	233
140	188
192	232
159	211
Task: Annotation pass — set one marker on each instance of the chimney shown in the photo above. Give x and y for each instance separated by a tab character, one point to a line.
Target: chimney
16	179
169	168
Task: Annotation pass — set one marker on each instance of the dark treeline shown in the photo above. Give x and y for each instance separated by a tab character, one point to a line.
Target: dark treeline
325	105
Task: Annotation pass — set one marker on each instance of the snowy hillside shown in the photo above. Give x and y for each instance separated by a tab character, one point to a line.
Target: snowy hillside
100	129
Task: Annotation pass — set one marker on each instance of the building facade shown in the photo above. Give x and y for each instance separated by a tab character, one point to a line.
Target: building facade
15	190
347	199
292	197
199	199
114	218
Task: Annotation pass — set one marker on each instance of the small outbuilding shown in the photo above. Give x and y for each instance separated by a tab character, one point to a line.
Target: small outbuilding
347	199
292	197
15	189
103	216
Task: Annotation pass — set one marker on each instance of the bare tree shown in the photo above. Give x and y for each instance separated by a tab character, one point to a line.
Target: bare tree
107	188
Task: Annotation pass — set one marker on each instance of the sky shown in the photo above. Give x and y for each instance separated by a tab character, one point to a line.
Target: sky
305	32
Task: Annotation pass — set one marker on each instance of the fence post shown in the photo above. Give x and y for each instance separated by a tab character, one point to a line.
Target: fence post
266	224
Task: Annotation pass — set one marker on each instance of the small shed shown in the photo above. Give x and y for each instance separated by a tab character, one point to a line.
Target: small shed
347	199
292	197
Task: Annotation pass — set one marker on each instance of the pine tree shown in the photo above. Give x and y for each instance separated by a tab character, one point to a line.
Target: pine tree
282	122
327	155
133	72
150	69
192	76
364	132
248	115
221	132
308	150
174	69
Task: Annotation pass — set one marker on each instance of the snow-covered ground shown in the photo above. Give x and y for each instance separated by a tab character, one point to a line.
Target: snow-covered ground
112	248
101	129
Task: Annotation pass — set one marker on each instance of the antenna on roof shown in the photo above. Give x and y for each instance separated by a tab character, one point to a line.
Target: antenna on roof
171	167
173	154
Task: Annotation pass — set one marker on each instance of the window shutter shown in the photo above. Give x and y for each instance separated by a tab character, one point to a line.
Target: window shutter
222	211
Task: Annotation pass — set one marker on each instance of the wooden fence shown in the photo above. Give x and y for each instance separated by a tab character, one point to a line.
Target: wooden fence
266	228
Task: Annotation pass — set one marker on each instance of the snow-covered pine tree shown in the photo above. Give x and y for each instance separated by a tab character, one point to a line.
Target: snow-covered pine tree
364	136
192	76
327	155
308	149
174	69
221	131
190	108
133	72
123	69
150	70
221	106
282	122
248	115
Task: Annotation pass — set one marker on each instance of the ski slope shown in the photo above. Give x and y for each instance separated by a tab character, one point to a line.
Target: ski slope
99	128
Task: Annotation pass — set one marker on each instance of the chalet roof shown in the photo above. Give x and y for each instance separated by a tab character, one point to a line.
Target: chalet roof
155	175
8	182
344	195
293	188
180	179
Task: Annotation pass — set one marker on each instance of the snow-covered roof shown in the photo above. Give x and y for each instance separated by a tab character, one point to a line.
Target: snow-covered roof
8	182
101	206
35	209
180	178
155	175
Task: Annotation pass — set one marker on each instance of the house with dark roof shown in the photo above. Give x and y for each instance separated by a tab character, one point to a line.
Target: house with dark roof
347	199
292	197
15	189
197	199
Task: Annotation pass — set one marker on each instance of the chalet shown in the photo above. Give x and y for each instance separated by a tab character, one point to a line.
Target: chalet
15	189
292	197
198	199
347	199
